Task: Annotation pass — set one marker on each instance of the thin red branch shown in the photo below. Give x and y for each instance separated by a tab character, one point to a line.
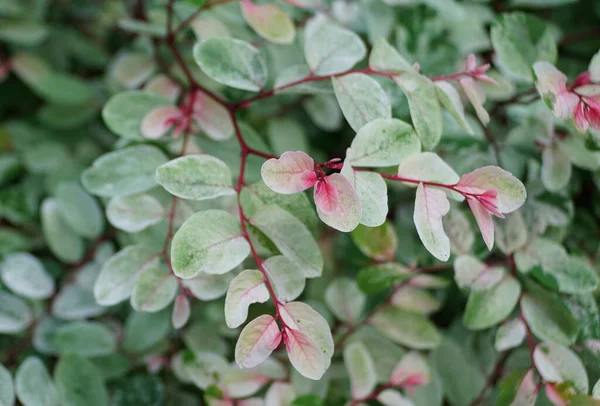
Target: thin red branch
492	379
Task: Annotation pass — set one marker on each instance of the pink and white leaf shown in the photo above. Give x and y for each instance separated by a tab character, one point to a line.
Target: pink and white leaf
292	172
476	96
361	369
326	196
304	353
246	288
430	206
165	86
554	396
212	117
552	86
412	371
257	341
390	397
527	392
181	311
269	21
280	394
346	215
159	121
484	221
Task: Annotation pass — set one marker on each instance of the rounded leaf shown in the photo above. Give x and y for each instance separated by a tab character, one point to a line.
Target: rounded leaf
25	275
269	21
246	288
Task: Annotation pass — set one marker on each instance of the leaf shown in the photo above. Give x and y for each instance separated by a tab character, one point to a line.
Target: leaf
345	300
521	39
7	392
212	117
80	210
518	388
324	111
208	287
124	112
210	241
372	193
195	177
429	167
131	69
269	21
15	314
486	308
144	330
181	312
155	288
84	338
362	99
79	382
342	50
23	33
380	277
291	238
347	212
287	277
425	110
25	275
383	142
124	172
308	339
390	397
75	303
378	243
548	318
61	238
459	231
34	385
134	213
141	389
430	206
232	62
386	58
415	300
511	233
160	121
256	341
292	172
119	273
204	369
280	393
556	168
246	288
556	363
405	328
412	371
450	99
463	388
285	134
471	273
361	369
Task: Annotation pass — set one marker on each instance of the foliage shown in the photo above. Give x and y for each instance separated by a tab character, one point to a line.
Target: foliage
299	202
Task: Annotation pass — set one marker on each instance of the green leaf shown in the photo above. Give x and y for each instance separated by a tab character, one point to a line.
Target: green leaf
145	330
196	177
75	303
23	33
210	241
450	99
415	300
342	50
520	40
34	385
269	21
291	237
295	73
155	288
232	62
556	168
80	210
380	277
486	308
131	69
134	213
124	112
79	382
386	58
362	99
25	275
7	391
378	243
84	338
124	172
208	287
324	111
15	314
118	275
383	142
345	300
285	134
460	388
62	240
286	277
361	368
430	206
556	363
406	328
425	110
511	233
141	389
547	316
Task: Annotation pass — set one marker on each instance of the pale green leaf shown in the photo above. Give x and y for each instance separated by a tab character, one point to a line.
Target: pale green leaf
25	275
386	58
361	368
15	314
556	363
80	210
7	391
486	308
34	385
405	328
145	330
429	167
124	172
372	193
345	300
134	213
286	276
450	99
430	206
131	69
378	243
84	338
556	168
324	111
26	33
287	81
383	142
511	232
210	241
79	382
232	62
155	288
207	287
62	240
76	303
415	300
269	21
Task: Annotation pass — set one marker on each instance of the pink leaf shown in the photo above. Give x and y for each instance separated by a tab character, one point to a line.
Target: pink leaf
304	354
554	396
326	196
257	341
411	371
292	172
527	392
346	215
181	311
164	86
159	121
430	206
484	221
